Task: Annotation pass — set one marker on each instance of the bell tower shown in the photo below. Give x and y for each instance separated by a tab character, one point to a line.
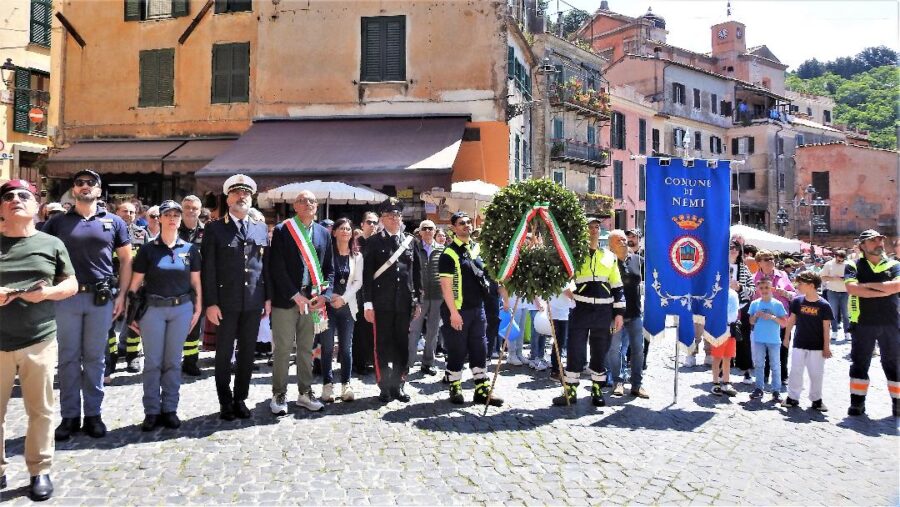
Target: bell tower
728	38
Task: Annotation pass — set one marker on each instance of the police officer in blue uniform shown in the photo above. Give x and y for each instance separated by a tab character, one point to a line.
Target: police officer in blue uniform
91	234
391	284
235	291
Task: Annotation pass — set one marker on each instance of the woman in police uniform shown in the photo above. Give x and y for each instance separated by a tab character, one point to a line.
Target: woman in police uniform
169	269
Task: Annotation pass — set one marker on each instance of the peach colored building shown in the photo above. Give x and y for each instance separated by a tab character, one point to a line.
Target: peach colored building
861	184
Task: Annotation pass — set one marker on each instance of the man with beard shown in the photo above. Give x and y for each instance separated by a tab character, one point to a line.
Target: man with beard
391	285
873	283
363	339
235	292
191	231
91	234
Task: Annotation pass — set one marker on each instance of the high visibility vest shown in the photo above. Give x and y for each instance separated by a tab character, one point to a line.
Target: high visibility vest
598	280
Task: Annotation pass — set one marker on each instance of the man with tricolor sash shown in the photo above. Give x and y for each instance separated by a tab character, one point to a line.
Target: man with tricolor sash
873	282
599	303
302	276
235	292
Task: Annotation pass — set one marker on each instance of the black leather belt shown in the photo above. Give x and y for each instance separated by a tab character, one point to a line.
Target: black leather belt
167	301
86	287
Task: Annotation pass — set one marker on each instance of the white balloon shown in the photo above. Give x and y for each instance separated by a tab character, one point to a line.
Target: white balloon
542	323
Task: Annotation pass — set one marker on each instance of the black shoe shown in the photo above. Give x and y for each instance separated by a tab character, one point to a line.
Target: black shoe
570	397
151	421
456	395
41	488
111	360
481	395
170	420
94	427
429	370
226	411
384	396
597	398
818	405
2	482
66	427
856	411
399	394
189	367
241	411
791	402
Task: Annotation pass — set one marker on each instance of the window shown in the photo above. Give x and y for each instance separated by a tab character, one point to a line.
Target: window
696	98
617	131
725	107
743	181
826	115
233	6
559	176
40	22
592	183
640	219
780	147
714	104
821	183
526	160
715	144
781	181
642	136
383	49
558	132
32	90
142	10
742	146
591	136
677	138
157	69
678	93
655	141
809	111
799	140
618	185
621	221
231	73
516	159
642	182
698	141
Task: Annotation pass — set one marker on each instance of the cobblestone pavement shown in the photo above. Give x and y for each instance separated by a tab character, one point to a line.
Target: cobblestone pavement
702	450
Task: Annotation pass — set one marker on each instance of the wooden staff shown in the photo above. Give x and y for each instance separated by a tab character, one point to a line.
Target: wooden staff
503	349
562	375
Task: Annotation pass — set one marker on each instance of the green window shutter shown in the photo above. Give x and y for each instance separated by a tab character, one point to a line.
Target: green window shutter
750	143
166	66
133	10
40	22
240	72
618	173
180	8
221	6
22	103
395	49
734	146
149	70
371	68
221	73
510	61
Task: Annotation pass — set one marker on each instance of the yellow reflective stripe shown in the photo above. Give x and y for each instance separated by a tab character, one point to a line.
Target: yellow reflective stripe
591	278
457	278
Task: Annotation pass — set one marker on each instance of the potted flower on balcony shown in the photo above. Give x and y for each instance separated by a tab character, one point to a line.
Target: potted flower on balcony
595	203
557	149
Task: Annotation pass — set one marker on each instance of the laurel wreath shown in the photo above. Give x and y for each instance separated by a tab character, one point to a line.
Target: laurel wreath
540	271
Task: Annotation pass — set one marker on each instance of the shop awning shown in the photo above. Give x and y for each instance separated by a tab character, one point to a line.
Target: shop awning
404	152
193	155
111	157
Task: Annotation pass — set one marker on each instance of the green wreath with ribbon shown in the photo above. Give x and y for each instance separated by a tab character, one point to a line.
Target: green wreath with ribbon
547	211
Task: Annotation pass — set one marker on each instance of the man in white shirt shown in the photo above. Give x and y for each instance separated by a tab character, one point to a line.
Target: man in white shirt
833	275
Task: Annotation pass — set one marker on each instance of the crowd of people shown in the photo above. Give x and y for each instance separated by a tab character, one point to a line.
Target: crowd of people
82	285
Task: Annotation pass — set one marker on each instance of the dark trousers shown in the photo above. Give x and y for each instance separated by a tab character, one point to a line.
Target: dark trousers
469	341
363	343
192	343
784	360
391	347
242	328
743	359
562	338
861	347
579	337
492	317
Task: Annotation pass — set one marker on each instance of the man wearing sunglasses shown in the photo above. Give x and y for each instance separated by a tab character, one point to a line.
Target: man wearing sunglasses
36	271
429	252
363	332
91	235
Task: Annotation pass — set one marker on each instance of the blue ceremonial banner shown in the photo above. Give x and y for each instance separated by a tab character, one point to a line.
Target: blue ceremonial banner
688	218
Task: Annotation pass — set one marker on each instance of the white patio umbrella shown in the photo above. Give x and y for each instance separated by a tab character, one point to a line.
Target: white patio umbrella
765	240
469	196
335	192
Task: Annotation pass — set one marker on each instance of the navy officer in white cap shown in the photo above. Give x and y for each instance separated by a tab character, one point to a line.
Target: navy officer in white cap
235	292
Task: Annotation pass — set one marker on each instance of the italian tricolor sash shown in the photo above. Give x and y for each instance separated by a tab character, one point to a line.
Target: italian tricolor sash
542	210
301	235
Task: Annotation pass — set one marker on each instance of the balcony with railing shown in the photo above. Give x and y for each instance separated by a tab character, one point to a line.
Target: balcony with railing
579	152
573	96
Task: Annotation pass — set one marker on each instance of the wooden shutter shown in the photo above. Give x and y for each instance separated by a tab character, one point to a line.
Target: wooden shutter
149	76
166	75
698	141
655	140
395	49
40	22
240	72
133	10
617	179
371	69
642	182
221	6
622	132
22	102
734	146
750	142
510	61
642	136
180	8
712	144
696	98
221	73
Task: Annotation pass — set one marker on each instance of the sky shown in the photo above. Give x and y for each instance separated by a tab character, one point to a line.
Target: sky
795	30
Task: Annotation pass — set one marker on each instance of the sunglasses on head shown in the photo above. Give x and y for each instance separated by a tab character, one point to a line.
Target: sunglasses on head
82	182
23	195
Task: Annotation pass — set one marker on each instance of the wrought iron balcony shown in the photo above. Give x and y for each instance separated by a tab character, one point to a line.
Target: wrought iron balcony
579	152
573	97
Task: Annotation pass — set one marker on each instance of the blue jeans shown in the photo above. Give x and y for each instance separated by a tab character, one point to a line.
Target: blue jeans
163	332
838	303
630	337
759	360
81	328
340	322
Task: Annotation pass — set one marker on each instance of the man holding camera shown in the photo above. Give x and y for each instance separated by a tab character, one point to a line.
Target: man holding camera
91	235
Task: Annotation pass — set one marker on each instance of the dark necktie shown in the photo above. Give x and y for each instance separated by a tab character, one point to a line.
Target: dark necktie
396	241
242	228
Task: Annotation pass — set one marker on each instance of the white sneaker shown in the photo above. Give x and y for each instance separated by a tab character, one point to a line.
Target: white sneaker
278	405
533	363
514	360
690	361
541	365
327	393
748	379
834	335
311	404
347	393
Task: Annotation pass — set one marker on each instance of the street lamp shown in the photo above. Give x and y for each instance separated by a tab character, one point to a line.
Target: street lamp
781	220
817	209
7	71
547	69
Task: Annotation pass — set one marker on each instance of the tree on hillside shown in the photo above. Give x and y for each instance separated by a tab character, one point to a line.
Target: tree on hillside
875	57
571	22
847	66
810	69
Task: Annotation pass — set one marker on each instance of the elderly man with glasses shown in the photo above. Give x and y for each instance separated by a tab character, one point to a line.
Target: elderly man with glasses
429	252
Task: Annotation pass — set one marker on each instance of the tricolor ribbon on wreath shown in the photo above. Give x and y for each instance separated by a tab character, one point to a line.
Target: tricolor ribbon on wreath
317	281
541	210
